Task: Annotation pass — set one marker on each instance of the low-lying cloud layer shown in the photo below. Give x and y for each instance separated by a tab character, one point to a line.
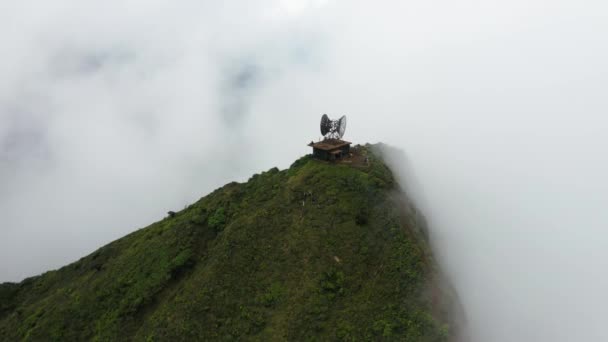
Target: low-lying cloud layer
112	113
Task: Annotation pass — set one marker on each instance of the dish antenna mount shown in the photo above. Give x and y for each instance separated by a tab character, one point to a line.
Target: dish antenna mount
333	129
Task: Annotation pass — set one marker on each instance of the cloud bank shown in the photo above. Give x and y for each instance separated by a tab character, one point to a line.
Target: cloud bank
112	113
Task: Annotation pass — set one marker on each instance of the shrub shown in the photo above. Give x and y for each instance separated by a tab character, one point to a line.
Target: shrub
362	216
217	220
272	295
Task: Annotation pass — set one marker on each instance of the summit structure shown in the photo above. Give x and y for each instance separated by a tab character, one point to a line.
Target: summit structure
332	147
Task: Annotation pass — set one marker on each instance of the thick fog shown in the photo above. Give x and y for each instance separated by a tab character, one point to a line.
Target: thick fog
114	112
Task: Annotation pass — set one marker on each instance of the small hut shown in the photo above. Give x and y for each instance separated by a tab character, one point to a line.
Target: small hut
330	149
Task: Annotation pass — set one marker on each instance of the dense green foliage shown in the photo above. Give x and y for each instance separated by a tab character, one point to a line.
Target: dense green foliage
312	253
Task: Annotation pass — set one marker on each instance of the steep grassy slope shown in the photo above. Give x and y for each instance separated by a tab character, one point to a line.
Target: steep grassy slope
315	252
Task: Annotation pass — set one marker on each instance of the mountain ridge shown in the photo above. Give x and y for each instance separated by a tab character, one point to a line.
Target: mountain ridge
318	251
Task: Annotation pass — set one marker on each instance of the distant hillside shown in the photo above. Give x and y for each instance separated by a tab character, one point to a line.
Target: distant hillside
316	252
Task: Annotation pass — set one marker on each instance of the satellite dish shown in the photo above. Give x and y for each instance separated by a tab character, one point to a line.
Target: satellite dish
342	126
333	129
325	124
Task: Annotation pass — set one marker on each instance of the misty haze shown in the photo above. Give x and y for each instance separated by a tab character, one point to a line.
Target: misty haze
492	116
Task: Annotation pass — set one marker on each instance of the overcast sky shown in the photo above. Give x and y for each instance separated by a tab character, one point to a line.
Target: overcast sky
114	112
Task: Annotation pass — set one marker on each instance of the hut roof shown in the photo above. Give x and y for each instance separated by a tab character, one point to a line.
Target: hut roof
329	144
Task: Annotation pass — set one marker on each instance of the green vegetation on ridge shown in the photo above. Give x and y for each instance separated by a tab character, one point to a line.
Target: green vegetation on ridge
313	253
